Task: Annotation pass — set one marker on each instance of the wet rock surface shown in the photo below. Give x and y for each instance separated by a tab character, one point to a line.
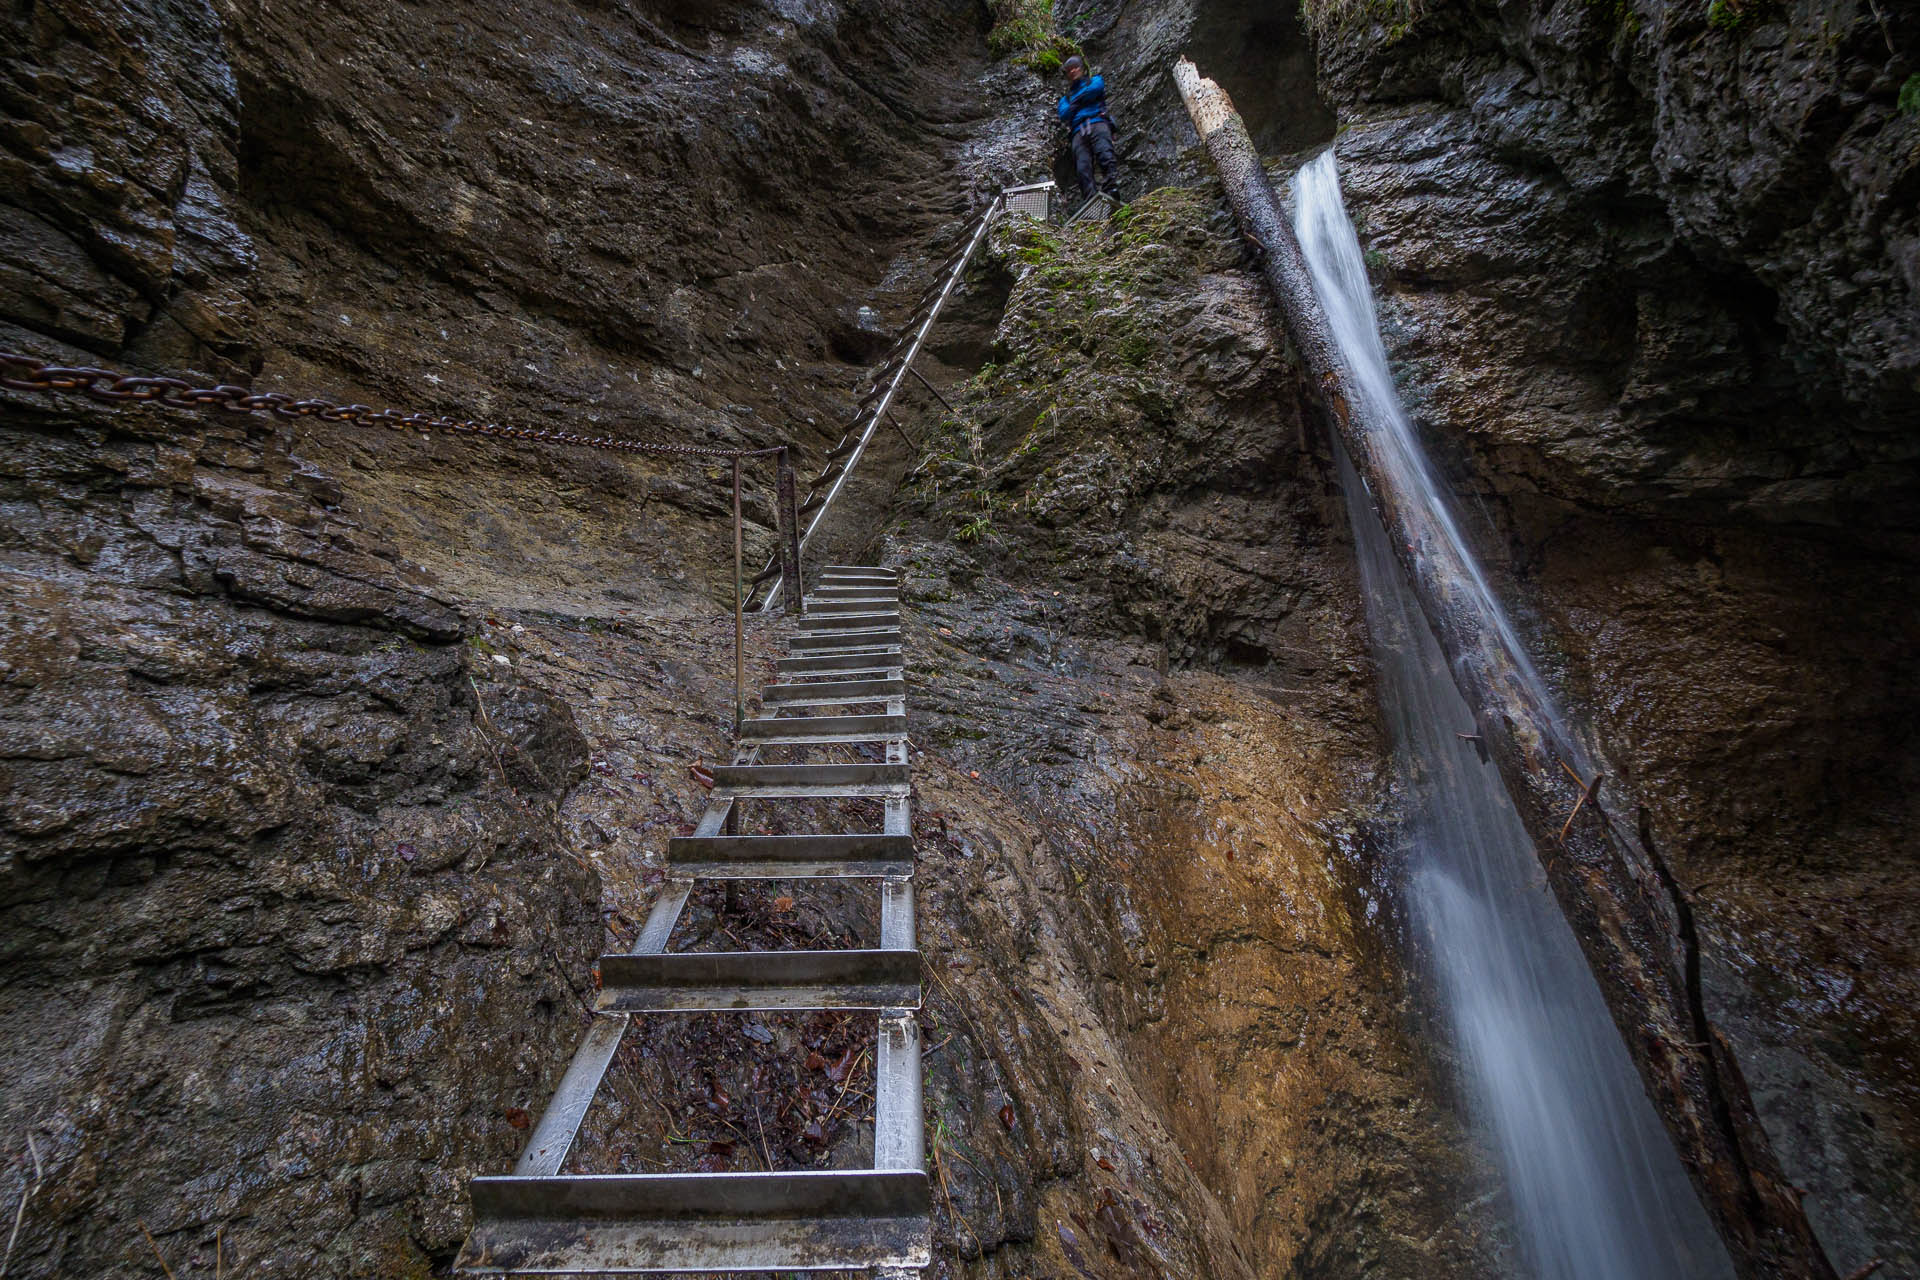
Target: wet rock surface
287	918
324	747
1649	289
1148	733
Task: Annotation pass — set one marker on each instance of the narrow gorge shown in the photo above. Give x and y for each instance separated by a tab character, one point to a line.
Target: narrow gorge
335	752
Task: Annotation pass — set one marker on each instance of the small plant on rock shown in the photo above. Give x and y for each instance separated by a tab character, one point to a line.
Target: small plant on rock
1325	17
1728	15
1024	30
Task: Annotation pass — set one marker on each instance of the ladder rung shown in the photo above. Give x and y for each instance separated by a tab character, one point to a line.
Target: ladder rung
855	604
627	1224
850	621
886	660
855	588
861	690
796	731
709	981
883	669
808	775
846	641
783	857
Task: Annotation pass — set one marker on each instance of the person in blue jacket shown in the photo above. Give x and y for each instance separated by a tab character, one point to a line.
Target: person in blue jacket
1083	109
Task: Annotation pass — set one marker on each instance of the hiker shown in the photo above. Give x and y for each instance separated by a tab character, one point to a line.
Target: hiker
1083	109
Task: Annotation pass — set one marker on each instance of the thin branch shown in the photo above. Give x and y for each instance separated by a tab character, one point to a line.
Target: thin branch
157	1257
20	1212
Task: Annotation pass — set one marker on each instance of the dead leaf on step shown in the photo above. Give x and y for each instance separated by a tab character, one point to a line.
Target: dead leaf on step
838	1071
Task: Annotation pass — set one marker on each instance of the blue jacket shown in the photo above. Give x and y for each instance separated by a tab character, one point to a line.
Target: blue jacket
1085	105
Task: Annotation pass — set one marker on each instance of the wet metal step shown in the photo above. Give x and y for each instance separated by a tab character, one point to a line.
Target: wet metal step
835	691
865	604
843	582
779	857
803	730
879	660
876	637
818	622
705	981
872	670
798	781
837	589
629	1224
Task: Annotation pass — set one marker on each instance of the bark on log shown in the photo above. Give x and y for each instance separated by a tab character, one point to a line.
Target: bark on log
1630	917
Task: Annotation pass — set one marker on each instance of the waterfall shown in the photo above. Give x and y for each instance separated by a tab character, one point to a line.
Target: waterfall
1597	1191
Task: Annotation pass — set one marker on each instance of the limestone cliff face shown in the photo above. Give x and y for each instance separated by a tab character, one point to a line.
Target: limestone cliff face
1651	289
326	752
1142	639
294	928
285	923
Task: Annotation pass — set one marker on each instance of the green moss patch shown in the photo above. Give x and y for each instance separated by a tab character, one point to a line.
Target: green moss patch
1025	31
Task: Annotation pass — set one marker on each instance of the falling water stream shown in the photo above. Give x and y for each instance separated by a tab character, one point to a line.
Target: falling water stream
1596	1188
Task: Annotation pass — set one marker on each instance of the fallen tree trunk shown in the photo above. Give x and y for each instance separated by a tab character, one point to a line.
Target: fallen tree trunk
1629	915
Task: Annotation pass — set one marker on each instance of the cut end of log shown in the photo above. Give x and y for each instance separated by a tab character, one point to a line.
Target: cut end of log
1206	101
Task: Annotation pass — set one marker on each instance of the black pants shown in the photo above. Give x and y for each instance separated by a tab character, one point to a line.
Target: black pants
1094	141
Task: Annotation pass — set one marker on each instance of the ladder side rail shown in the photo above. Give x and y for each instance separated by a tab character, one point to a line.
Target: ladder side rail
552	1137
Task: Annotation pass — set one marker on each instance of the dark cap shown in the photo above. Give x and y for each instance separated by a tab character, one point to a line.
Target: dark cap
1075	63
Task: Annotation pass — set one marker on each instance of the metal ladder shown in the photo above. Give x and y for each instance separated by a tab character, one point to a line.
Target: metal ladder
876	401
845	662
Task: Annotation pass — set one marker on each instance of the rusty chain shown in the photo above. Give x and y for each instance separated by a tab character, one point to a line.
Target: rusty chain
25	373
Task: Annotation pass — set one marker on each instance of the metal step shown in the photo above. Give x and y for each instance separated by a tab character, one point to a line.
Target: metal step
859	568
803	781
792	731
832	583
887	576
835	691
847	641
708	981
857	604
856	590
848	856
808	665
889	671
630	1224
862	621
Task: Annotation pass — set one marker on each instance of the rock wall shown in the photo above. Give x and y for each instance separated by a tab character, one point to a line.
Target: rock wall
286	922
1153	759
1650	283
300	875
295	928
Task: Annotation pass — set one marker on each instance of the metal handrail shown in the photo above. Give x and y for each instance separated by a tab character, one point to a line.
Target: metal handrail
875	415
